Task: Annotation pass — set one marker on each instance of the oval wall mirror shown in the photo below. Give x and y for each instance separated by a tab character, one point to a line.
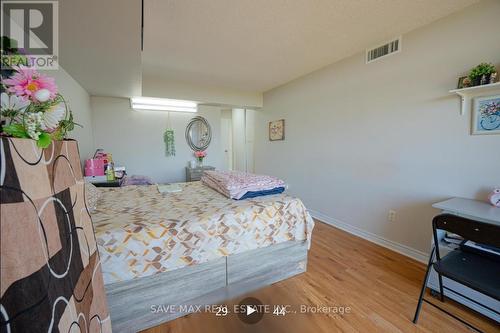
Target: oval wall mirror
198	133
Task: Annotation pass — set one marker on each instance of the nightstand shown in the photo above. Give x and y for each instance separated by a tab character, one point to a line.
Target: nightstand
194	174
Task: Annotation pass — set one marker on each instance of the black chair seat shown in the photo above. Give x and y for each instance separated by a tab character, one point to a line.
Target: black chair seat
475	271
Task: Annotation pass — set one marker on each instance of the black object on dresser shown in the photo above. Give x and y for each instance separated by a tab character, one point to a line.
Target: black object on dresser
110	183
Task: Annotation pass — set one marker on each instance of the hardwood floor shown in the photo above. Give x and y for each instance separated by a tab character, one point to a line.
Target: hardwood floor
381	288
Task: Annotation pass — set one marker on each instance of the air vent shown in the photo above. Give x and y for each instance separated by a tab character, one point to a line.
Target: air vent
383	50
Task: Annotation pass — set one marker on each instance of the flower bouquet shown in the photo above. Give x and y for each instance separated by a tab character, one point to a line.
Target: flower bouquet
32	108
200	155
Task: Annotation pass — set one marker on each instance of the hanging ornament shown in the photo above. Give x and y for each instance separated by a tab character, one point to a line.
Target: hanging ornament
168	138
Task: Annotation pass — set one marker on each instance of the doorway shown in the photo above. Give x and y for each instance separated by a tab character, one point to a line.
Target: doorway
226	127
237	136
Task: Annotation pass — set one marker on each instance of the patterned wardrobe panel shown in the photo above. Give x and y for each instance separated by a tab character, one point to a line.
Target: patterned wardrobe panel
51	279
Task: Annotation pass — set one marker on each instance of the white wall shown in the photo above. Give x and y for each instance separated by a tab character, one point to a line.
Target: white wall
362	139
135	138
78	100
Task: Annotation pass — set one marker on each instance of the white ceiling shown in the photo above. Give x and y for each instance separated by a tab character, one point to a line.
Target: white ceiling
255	45
247	46
100	45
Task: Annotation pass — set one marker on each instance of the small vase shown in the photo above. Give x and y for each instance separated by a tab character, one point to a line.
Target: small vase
199	163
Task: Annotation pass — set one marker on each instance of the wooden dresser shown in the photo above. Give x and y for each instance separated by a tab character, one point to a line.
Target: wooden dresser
194	174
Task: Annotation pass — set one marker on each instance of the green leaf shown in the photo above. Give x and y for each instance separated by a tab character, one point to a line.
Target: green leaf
16	130
44	140
58	134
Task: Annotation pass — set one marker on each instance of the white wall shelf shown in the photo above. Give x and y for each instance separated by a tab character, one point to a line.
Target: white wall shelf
468	93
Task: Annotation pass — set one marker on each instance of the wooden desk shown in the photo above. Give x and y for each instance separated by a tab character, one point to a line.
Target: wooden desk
474	210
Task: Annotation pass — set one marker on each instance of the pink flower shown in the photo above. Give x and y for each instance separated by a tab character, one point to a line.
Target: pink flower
27	81
200	154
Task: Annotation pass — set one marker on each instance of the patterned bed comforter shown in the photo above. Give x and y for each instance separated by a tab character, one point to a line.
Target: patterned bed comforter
141	232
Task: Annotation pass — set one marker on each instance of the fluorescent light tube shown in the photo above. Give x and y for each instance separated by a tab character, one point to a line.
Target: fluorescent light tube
162	104
162	108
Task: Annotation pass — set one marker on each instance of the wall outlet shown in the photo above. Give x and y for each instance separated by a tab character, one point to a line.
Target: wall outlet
392	216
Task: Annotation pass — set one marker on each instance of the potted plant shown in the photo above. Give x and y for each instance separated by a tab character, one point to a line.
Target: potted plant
32	108
477	73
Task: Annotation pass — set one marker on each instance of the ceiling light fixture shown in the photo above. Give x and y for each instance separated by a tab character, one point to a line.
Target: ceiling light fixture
162	104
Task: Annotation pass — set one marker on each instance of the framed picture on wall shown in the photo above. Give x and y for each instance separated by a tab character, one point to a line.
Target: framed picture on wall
277	130
486	115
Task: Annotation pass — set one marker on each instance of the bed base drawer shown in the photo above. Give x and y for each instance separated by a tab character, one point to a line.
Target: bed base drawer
271	264
143	303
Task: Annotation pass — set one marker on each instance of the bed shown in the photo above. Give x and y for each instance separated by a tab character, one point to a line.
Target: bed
193	246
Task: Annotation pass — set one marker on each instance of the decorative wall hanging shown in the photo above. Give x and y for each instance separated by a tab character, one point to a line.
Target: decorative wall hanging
486	115
277	130
169	139
51	274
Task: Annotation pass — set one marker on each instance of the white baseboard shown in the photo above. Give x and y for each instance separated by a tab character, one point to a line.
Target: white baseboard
394	246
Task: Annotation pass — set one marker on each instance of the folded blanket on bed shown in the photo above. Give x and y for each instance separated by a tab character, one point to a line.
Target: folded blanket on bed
236	184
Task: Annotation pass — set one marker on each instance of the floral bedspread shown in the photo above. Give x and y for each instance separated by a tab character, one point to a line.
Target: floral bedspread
141	232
